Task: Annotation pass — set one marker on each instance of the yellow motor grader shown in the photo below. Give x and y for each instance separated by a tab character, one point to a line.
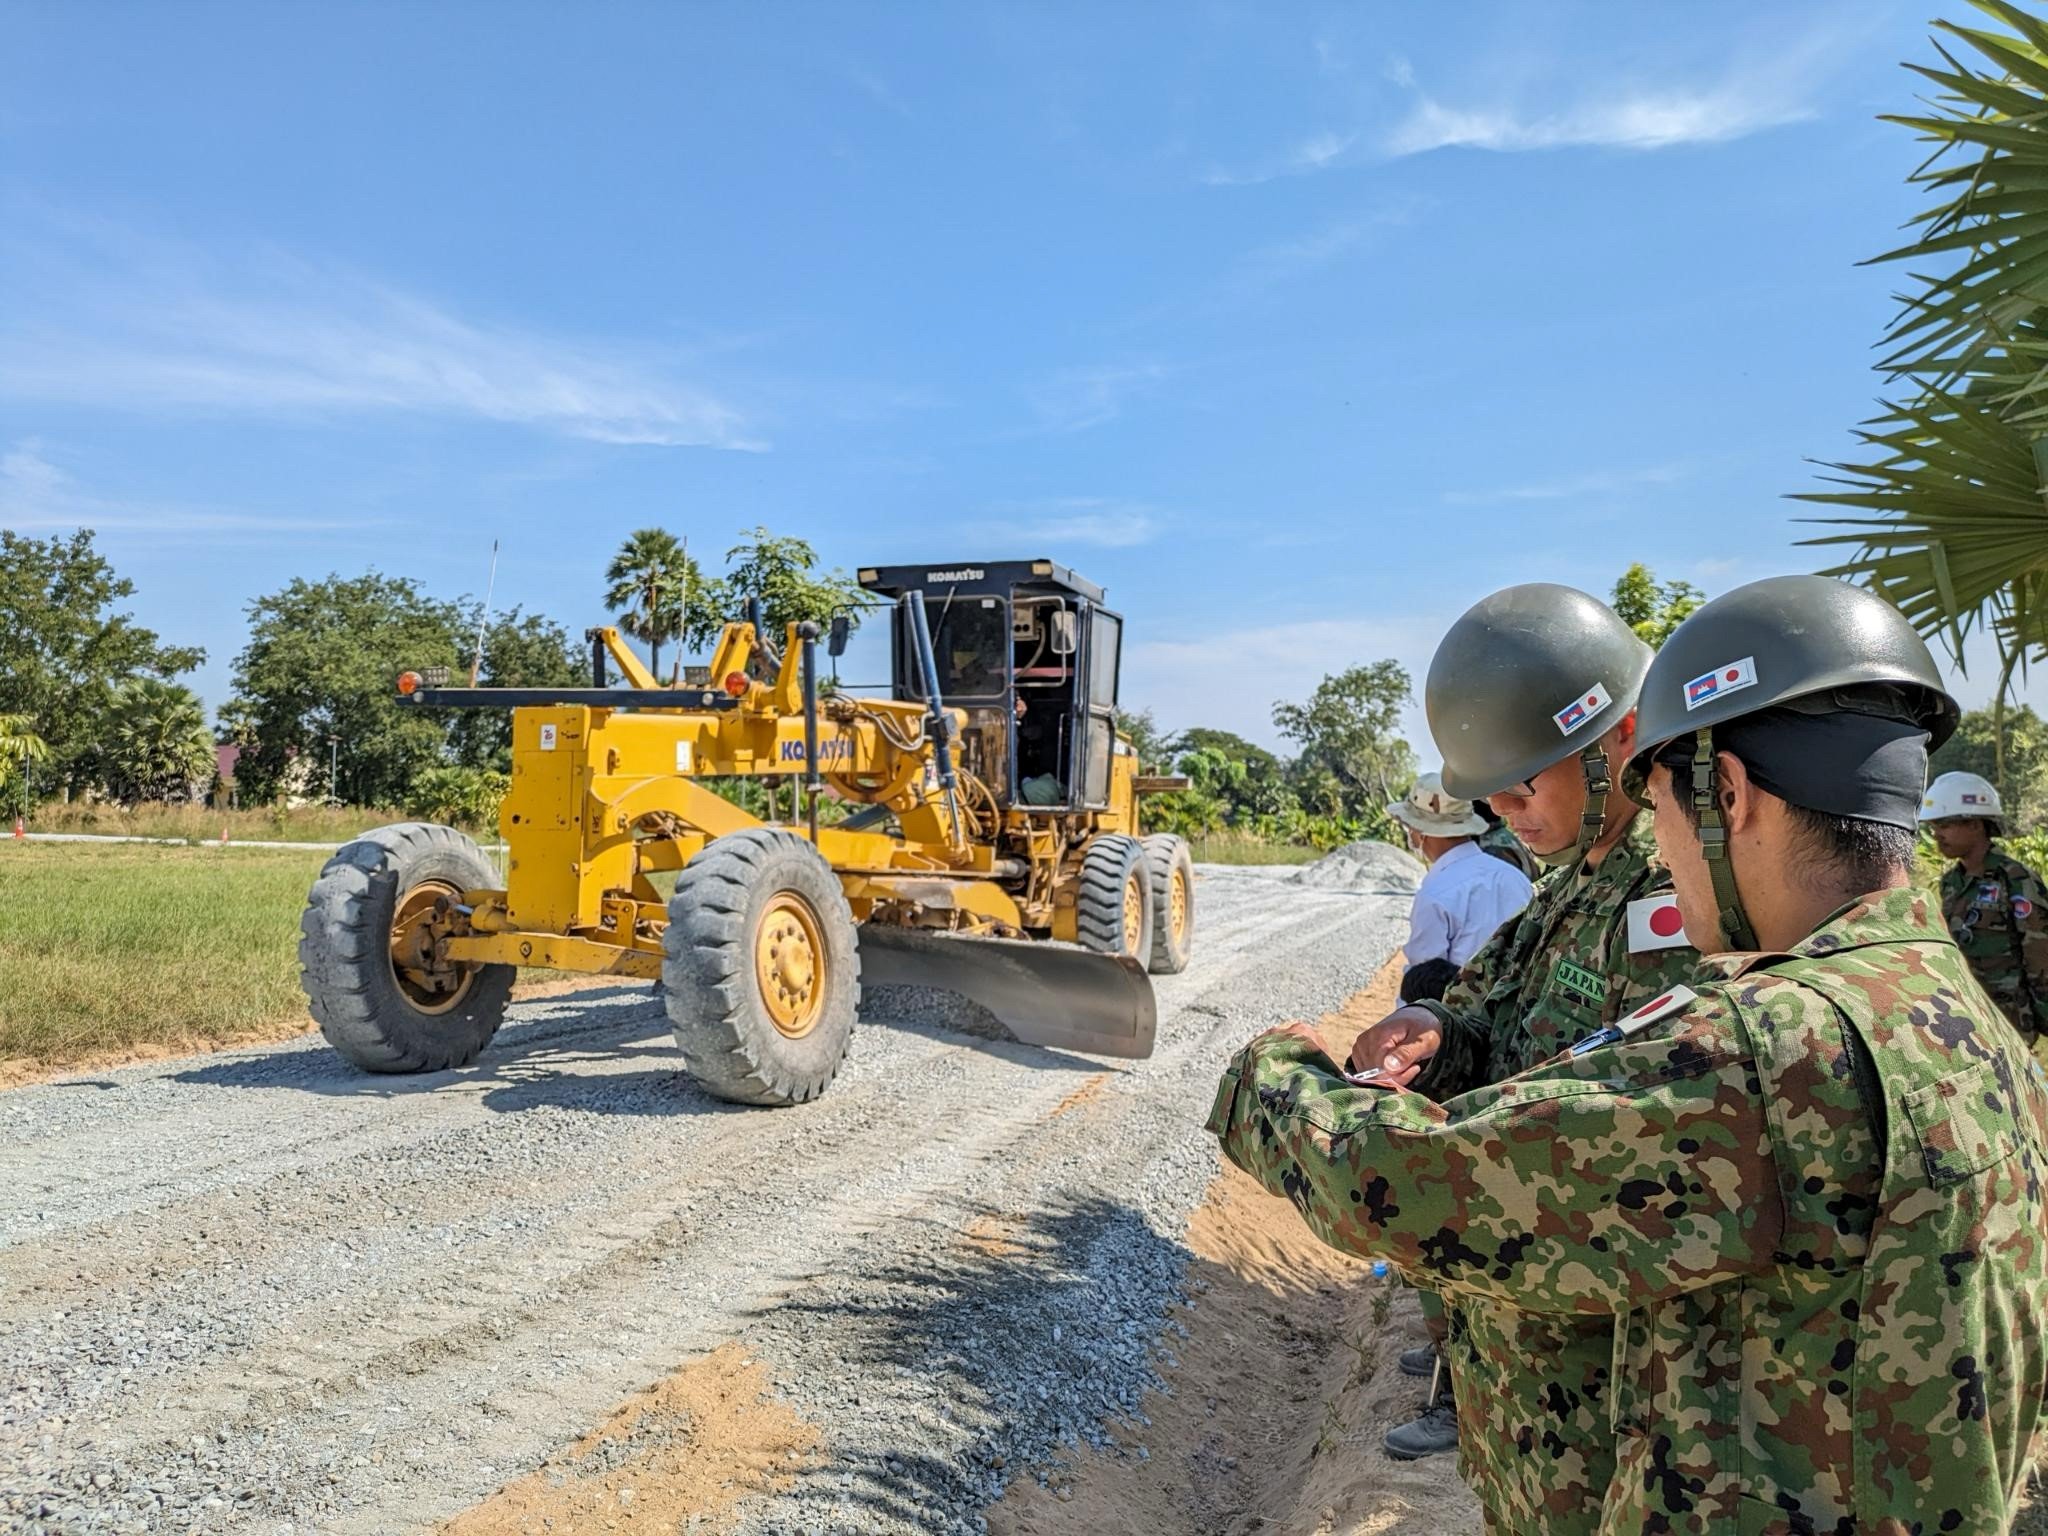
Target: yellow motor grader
991	846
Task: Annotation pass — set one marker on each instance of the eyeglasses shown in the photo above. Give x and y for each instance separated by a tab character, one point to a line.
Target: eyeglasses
1522	791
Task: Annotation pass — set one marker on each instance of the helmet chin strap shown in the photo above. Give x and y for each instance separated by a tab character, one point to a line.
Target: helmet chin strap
1593	819
1706	801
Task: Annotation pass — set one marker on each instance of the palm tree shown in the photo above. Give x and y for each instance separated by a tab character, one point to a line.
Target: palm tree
19	744
1954	488
158	747
653	583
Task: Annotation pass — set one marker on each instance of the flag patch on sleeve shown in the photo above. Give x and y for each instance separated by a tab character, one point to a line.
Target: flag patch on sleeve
1654	923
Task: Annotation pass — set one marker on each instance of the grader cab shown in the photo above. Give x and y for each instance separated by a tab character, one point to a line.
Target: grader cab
977	831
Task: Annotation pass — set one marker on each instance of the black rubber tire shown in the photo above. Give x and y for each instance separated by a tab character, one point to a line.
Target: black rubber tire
1167	856
1109	865
723	1028
345	953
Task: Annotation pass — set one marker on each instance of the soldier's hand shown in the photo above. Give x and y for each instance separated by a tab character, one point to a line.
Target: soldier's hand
1396	1047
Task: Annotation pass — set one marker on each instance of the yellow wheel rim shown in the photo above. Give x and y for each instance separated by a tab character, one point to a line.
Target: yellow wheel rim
431	984
1134	914
1177	907
789	965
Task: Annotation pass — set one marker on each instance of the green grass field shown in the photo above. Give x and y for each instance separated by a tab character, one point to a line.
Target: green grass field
109	947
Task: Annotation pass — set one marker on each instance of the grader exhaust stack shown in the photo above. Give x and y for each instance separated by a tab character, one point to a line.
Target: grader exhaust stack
1012	873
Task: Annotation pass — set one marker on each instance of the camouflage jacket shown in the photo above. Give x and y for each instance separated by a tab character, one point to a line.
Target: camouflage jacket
1811	1197
1999	919
1531	1389
1556	973
1500	841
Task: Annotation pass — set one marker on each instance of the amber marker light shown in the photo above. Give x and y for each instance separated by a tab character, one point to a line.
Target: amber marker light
736	684
408	683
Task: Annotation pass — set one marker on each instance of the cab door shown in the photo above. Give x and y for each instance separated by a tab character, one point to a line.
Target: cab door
1101	659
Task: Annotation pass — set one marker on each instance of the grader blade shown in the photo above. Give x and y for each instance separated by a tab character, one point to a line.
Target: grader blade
1044	994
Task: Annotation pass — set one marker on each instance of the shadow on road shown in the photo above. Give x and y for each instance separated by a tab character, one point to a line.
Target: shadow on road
561	1052
1019	1332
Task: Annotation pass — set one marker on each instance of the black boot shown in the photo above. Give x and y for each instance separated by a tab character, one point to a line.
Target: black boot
1436	1431
1419	1361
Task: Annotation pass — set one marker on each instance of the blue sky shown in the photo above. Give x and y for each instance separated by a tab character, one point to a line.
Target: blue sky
1298	327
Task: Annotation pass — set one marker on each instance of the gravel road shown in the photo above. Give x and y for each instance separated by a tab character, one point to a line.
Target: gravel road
257	1291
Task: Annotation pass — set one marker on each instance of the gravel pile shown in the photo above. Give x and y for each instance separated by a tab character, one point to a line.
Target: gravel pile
260	1292
1380	868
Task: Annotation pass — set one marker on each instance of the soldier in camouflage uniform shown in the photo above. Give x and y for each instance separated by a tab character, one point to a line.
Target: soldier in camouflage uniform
1531	697
1993	904
1810	1193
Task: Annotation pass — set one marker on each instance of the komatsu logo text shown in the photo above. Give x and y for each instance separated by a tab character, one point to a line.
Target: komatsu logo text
837	747
965	573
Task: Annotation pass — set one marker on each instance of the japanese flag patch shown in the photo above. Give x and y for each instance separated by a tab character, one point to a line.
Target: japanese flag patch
1583	708
1727	678
1654	923
1661	1006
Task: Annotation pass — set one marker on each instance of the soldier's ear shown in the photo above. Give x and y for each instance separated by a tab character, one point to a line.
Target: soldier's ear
1737	791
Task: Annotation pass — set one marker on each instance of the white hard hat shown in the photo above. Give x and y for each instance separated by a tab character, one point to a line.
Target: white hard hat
1429	809
1961	794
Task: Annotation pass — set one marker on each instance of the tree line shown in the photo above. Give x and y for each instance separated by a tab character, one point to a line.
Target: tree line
1349	763
90	705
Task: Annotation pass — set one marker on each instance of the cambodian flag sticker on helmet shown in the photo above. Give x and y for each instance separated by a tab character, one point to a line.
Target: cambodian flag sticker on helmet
1582	708
1723	679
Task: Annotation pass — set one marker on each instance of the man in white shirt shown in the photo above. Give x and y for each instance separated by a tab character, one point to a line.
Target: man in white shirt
1465	896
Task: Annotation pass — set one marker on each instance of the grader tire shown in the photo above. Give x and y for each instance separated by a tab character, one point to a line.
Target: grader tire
1113	913
761	974
371	897
1172	869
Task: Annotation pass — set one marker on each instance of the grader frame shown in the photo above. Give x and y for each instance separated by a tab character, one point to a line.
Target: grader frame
939	876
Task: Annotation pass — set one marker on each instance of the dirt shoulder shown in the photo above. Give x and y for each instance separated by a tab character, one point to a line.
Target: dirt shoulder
1282	1378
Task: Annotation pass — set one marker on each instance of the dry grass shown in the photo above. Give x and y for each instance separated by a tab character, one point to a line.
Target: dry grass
1236	848
328	825
106	948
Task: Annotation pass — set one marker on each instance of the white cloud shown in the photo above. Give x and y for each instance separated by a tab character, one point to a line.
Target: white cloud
1770	88
126	322
1231	678
1319	151
1598	483
36	495
1100	521
1647	120
1075	399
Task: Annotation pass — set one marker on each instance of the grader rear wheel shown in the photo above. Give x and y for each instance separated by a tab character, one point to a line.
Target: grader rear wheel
1113	912
1173	902
761	974
376	979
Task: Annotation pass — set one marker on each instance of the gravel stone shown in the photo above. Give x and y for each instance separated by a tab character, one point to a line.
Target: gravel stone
261	1291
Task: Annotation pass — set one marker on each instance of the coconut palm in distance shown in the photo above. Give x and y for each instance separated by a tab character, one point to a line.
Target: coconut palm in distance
651	584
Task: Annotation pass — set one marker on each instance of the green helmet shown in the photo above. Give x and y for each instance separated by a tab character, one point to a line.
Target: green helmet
1526	678
1781	639
1853	687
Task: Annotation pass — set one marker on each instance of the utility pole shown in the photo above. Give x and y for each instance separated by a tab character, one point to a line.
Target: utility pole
334	769
476	658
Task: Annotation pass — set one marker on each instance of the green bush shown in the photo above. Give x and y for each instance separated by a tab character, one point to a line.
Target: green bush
457	796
